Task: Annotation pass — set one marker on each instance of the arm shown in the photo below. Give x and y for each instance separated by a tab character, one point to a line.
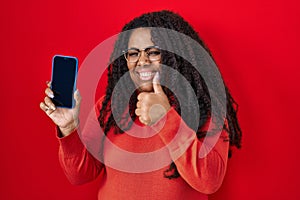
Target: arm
205	171
78	164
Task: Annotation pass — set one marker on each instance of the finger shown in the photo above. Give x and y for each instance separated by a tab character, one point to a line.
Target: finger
46	109
146	120
77	97
49	93
142	120
156	84
49	103
138	112
43	107
48	83
141	96
138	104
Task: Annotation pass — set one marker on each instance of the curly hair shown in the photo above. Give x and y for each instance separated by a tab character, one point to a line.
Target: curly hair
124	114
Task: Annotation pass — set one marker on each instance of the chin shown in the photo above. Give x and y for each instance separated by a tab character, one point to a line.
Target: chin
146	88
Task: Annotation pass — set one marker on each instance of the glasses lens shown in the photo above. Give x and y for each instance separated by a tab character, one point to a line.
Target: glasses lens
132	55
153	54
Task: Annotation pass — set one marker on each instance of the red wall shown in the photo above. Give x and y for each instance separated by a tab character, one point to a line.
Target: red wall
254	42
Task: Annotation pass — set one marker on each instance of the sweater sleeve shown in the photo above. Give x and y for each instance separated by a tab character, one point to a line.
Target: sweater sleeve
78	164
200	162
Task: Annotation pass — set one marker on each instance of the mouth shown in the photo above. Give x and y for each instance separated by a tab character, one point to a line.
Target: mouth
146	75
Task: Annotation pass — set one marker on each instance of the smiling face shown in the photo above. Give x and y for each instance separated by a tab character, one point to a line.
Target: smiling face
142	71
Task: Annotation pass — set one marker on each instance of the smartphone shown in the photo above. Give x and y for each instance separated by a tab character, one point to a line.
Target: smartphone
63	80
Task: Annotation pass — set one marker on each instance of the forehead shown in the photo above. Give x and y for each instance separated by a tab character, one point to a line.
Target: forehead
140	38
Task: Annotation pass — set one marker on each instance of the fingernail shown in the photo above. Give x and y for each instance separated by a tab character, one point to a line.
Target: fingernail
53	107
50	95
77	92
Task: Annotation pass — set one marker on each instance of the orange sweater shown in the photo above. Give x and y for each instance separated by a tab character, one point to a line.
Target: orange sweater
124	177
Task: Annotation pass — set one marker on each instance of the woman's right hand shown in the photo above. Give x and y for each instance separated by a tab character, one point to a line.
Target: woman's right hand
65	118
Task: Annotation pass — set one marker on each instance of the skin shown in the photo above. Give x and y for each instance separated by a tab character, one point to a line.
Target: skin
66	119
152	102
141	38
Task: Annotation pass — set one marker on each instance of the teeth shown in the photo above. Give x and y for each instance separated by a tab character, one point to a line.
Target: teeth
145	74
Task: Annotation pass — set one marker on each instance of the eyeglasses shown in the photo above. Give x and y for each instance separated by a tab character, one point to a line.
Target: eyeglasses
132	55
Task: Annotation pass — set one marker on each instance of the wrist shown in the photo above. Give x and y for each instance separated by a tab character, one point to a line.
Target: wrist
69	128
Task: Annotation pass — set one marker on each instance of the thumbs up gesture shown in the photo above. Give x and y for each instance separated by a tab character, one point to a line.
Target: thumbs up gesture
151	106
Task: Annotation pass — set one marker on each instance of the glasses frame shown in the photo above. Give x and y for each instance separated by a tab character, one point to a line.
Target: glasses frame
139	51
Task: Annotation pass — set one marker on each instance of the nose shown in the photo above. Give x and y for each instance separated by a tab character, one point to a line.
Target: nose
143	59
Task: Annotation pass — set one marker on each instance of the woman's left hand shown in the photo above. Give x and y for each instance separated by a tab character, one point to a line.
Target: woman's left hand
151	106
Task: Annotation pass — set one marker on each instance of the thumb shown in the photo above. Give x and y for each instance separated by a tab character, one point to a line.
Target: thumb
156	84
77	97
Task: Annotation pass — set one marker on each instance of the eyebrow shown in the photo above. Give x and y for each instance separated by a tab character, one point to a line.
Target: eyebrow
135	48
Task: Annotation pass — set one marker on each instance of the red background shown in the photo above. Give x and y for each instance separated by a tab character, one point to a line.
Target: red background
255	44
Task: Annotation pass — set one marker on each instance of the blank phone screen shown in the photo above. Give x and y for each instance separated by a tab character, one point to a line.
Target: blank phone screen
63	83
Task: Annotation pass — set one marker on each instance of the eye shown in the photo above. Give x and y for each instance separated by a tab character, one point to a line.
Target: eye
133	53
154	53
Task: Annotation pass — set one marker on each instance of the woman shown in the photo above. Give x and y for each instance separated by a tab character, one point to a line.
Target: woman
153	96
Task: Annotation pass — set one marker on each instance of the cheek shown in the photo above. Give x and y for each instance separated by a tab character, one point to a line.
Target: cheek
133	77
130	66
131	70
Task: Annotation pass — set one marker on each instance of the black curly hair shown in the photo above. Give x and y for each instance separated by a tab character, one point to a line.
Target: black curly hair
124	116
